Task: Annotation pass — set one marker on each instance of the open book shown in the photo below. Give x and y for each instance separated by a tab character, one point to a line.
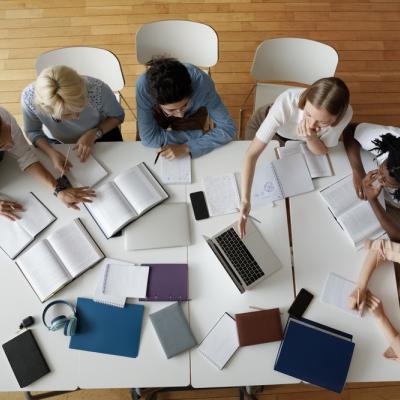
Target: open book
55	261
355	216
15	236
318	165
128	196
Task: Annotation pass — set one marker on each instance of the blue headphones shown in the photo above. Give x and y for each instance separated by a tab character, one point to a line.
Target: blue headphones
61	321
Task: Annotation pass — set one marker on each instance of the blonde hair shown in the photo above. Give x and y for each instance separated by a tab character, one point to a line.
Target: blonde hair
60	90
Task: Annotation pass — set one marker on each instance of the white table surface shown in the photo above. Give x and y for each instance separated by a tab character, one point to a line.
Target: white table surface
320	247
212	292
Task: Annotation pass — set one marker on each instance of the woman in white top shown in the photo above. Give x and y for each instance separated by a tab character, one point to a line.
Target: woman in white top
384	143
316	115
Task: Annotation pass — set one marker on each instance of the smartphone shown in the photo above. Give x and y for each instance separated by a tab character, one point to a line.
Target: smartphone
300	303
199	205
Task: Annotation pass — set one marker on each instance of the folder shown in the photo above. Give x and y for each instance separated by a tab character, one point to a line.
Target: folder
103	328
315	353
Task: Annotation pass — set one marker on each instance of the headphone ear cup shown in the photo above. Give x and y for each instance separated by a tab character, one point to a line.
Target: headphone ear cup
70	326
58	322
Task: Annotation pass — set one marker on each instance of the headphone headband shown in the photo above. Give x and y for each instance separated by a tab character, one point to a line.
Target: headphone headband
51	304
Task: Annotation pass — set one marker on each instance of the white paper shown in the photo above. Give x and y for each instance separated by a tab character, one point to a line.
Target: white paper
126	280
221	342
176	171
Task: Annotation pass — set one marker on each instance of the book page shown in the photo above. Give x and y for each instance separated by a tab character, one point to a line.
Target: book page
318	165
222	194
42	269
140	188
75	248
13	238
178	170
221	342
110	209
125	280
291	147
341	196
336	292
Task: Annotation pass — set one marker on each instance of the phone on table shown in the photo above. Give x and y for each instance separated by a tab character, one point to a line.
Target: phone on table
300	303
199	205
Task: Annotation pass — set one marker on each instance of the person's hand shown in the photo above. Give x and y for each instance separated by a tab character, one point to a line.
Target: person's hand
244	214
172	151
358	185
72	196
371	186
357	299
305	131
58	160
8	209
85	143
375	305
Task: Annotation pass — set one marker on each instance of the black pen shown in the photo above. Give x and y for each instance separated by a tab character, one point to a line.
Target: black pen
158	154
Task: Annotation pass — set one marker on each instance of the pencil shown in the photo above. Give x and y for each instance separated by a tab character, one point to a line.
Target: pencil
66	160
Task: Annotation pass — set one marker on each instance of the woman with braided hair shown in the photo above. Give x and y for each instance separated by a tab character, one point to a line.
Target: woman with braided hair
384	143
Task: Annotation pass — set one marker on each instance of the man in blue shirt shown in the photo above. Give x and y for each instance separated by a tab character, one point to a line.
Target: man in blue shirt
174	101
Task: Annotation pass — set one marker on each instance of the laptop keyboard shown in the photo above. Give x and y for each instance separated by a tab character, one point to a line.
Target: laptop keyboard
240	257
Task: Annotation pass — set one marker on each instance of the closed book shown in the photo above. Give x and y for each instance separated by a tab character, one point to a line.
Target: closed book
25	358
173	330
315	353
257	327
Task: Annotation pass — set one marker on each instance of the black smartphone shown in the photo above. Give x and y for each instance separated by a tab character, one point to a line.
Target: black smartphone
199	205
300	303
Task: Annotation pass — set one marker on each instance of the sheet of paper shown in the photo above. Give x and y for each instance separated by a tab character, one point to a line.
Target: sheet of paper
126	280
336	292
177	171
222	194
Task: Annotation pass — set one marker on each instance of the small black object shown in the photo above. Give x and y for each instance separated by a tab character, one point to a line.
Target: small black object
199	205
300	303
62	183
28	321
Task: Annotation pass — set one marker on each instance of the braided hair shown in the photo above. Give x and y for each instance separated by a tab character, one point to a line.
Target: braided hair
390	144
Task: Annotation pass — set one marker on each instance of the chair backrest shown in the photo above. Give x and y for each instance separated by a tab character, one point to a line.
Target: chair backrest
98	63
187	41
296	60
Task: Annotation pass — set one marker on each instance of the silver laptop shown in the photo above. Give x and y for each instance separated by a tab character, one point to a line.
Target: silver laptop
247	261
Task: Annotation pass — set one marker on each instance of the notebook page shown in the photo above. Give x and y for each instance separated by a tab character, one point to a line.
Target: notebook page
318	164
221	342
125	280
222	194
336	292
45	276
178	170
13	238
75	248
139	187
110	209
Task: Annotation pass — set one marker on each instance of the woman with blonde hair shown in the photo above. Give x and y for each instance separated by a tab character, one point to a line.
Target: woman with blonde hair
62	106
316	115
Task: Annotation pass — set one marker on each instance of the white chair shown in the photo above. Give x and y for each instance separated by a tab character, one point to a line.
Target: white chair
92	61
187	41
296	61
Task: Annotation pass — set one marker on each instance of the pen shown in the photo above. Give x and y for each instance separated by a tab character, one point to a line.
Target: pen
158	154
66	160
358	298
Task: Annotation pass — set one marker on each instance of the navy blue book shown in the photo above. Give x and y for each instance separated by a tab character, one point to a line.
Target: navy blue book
315	353
107	329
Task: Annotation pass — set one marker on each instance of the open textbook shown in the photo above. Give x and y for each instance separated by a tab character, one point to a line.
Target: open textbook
272	181
15	236
53	262
318	165
125	198
355	216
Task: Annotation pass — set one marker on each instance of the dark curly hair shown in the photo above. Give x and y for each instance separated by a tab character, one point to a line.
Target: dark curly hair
169	80
390	144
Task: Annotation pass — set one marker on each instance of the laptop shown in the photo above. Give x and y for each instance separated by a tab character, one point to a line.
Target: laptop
247	261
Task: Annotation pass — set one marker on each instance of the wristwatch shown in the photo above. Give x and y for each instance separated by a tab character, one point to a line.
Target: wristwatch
62	183
99	133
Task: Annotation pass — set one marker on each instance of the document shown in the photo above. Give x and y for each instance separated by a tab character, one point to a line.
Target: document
176	171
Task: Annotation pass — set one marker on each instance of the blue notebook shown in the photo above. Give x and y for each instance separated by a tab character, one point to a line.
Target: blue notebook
315	353
107	329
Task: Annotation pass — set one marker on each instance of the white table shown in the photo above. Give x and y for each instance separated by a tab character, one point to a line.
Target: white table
320	247
212	292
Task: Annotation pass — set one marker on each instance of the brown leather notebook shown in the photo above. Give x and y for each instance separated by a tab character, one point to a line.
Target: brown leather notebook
259	327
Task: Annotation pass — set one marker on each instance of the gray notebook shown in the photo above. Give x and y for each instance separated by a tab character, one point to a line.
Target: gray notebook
173	330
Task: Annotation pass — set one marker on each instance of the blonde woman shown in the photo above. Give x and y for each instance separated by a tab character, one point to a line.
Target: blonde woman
62	106
316	115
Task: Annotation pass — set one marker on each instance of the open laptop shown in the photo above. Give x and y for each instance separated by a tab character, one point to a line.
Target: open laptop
247	261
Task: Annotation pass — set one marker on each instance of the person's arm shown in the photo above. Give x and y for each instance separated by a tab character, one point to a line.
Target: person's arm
353	148
253	152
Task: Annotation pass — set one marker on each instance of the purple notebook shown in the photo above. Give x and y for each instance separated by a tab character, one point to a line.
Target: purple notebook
167	282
